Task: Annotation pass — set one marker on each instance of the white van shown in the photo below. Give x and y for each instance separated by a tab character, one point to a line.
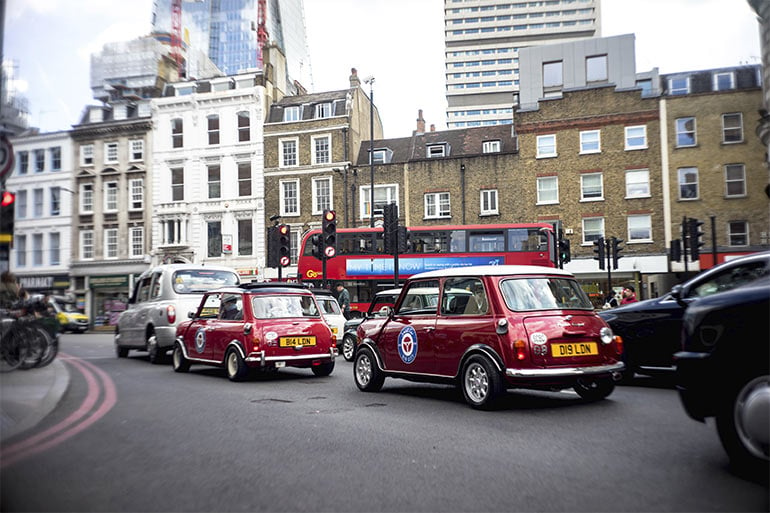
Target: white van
162	298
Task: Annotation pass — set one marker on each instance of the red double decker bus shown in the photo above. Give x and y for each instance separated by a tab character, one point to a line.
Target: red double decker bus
362	266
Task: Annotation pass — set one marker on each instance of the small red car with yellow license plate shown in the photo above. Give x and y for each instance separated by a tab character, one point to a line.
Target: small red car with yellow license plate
494	327
263	326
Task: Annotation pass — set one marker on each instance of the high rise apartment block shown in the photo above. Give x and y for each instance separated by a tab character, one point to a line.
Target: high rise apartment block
482	43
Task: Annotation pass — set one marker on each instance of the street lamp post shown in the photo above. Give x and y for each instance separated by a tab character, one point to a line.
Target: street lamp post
370	81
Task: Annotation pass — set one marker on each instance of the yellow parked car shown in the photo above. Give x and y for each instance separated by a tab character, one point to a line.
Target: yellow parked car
69	317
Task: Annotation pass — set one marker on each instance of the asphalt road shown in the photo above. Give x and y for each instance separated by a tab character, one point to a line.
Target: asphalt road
294	442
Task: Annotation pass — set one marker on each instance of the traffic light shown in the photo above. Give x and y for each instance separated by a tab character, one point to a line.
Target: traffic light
284	244
390	227
329	233
676	250
565	255
317	246
403	239
695	233
599	251
616	249
272	246
7	206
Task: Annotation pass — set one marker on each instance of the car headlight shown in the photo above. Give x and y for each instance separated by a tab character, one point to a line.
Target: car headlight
606	335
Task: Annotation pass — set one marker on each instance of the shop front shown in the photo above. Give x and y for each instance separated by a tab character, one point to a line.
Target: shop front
55	284
109	298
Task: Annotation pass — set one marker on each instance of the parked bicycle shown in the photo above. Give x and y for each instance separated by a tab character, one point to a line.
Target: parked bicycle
29	336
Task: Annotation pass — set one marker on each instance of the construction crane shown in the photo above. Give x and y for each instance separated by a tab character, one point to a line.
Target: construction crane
262	34
176	34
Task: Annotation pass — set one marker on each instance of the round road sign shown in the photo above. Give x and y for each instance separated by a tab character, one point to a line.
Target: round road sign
6	156
330	251
285	261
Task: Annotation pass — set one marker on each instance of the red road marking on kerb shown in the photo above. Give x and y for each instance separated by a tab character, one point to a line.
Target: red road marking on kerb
70	426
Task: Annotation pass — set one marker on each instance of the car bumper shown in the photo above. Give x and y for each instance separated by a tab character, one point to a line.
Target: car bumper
261	359
565	372
165	336
695	382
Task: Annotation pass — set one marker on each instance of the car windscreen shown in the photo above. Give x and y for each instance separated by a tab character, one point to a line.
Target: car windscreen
329	305
283	306
198	281
544	293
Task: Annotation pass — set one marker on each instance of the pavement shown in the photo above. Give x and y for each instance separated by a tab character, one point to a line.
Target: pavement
28	396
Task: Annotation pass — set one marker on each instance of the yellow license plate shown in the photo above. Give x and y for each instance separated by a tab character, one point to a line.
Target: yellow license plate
334	330
297	341
575	349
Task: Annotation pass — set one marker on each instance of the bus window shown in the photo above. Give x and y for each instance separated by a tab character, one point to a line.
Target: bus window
517	239
486	242
457	243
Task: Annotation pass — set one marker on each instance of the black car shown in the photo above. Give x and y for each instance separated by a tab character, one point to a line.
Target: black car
381	299
723	370
651	329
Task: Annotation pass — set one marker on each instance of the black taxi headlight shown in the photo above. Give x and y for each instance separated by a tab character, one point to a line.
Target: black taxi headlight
606	335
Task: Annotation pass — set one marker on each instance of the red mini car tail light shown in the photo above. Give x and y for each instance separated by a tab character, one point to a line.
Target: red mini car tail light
619	344
171	314
520	347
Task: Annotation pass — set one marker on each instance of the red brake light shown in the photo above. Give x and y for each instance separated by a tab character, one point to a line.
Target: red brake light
520	347
171	314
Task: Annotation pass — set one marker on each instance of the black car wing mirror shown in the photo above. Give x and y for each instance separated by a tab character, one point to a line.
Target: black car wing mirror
677	293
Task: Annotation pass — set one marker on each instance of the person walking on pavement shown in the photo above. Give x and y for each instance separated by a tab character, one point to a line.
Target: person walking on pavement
343	298
629	295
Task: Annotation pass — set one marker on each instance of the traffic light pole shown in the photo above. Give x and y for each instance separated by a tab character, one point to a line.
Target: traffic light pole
685	252
608	249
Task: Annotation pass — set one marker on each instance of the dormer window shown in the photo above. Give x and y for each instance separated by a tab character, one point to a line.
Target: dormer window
724	81
382	156
323	110
491	147
437	150
291	113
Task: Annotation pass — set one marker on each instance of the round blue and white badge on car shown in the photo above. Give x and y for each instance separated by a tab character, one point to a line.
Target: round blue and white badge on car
407	344
200	340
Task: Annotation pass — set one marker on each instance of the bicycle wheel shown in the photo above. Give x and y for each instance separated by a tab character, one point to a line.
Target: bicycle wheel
13	351
37	341
51	349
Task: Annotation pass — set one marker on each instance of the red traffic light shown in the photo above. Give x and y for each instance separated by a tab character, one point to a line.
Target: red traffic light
330	215
283	229
7	198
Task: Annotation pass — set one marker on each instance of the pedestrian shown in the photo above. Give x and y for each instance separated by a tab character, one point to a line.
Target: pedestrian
9	289
610	301
629	295
343	298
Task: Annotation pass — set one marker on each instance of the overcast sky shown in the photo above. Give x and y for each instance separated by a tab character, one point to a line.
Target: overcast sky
399	42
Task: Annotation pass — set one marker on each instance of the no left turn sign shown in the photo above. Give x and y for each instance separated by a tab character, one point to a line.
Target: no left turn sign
6	157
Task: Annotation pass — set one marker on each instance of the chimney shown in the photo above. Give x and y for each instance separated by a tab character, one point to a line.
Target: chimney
420	122
354	81
432	127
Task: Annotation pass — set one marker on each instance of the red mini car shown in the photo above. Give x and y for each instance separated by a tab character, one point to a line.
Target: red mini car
494	327
260	325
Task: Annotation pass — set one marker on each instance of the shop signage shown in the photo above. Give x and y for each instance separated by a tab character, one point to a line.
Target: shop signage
102	282
44	282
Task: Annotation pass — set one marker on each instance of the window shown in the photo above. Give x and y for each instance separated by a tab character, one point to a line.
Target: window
322	149
685	132
323	110
37	203
39	161
244	179
646	87
24	162
177	184
735	180
436	150
87	155
110	152
136	150
489	202
177	133
640	228
20	245
380	157
288	153
732	128
590	141
54	248
87	198
37	250
724	81
214	232
111	243
593	228
678	86
636	137
738	233
491	147
213	128
322	197
245	237
638	183
294	243
136	242
547	190
291	114
591	187
215	182
55	158
111	196
552	74
596	68
136	194
437	205
244	126
383	194
55	201
688	183
546	146
290	197
87	245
